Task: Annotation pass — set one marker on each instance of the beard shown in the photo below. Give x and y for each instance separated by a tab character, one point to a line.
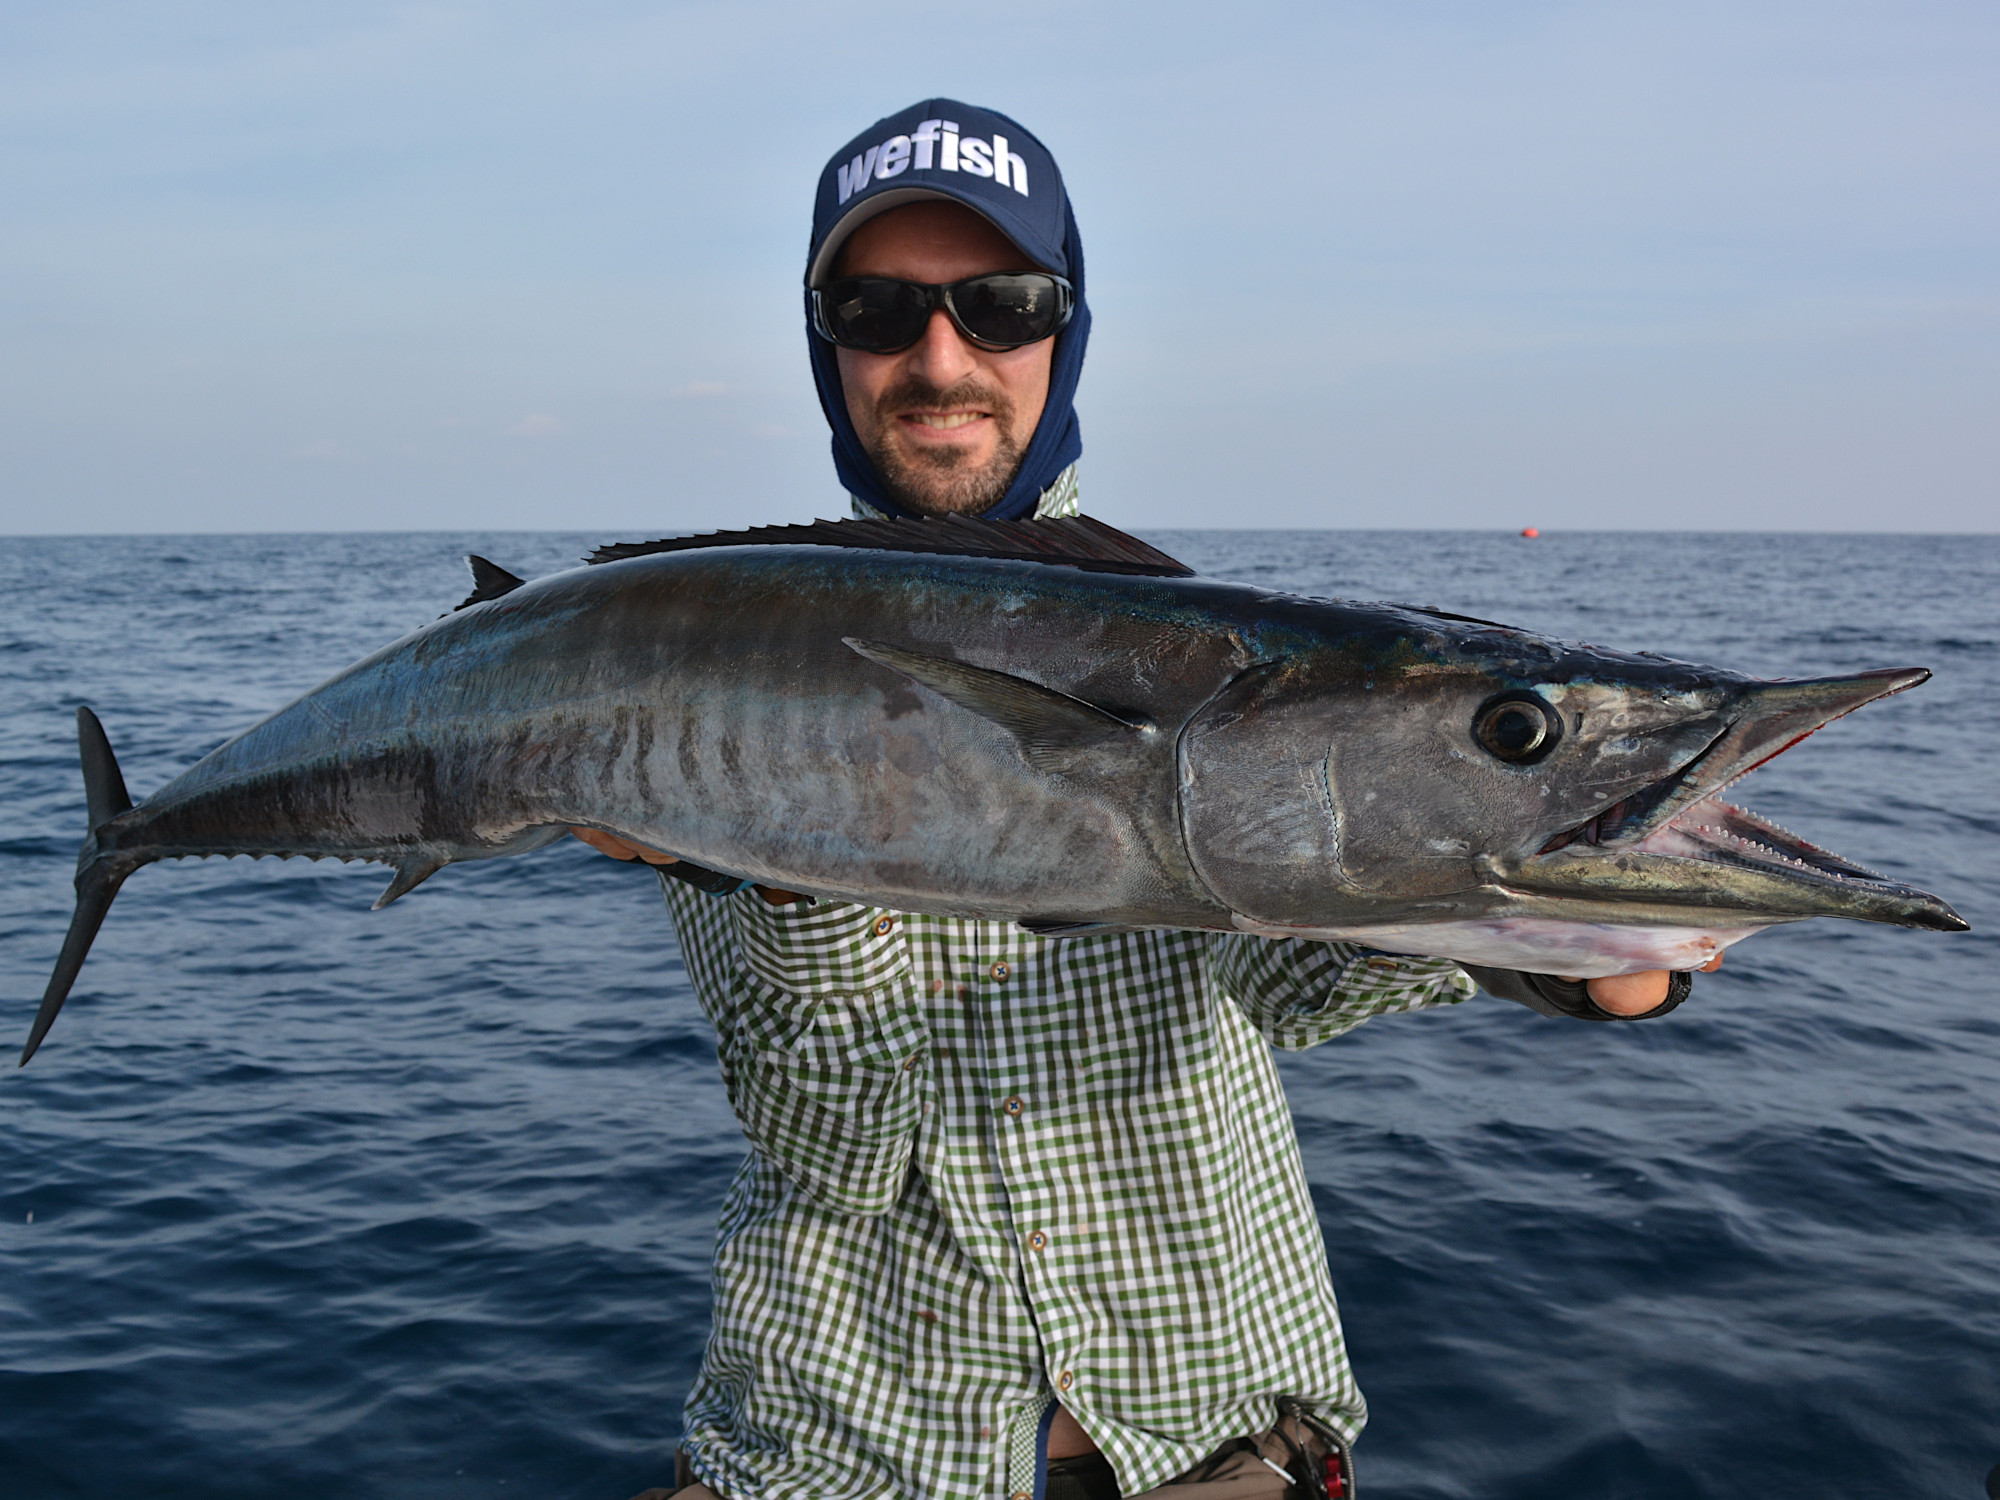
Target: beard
943	483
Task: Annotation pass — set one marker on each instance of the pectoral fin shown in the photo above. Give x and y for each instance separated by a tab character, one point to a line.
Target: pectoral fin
1049	725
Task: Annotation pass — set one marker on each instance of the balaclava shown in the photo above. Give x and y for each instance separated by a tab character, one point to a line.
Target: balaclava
944	149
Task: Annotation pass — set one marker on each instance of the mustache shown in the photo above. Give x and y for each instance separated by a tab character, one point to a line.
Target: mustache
915	391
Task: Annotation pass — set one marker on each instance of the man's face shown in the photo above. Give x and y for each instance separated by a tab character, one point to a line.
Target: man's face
944	421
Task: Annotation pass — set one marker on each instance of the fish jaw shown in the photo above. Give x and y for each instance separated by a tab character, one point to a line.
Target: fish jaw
1677	844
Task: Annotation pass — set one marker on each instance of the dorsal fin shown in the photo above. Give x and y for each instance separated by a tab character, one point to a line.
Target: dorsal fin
489	581
1076	541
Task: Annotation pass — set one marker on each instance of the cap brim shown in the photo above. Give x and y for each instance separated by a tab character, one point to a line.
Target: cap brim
821	269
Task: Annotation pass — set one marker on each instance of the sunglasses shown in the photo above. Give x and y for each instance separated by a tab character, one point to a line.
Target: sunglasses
880	315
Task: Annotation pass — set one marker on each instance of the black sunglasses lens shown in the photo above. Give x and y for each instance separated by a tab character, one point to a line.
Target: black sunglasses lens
874	313
1008	310
882	315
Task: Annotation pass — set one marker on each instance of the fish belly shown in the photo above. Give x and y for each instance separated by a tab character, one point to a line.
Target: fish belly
1538	945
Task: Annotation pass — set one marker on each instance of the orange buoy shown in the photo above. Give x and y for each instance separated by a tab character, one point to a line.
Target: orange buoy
1529	531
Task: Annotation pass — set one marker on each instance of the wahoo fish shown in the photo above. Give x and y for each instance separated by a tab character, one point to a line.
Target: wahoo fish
1047	722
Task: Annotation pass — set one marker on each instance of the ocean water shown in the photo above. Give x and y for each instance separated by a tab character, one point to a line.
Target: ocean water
303	1199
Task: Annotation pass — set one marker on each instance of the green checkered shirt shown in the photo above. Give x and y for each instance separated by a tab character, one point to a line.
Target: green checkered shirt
991	1170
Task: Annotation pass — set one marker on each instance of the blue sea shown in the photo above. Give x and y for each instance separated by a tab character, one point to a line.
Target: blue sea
304	1199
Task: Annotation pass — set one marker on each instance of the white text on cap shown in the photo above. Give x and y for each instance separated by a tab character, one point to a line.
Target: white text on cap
899	153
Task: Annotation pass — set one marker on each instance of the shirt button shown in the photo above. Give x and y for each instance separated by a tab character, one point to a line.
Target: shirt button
1013	1106
1000	969
915	1062
1038	1242
884	926
1066	1380
1020	1495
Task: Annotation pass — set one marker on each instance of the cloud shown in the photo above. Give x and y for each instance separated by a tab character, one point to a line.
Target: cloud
1465	241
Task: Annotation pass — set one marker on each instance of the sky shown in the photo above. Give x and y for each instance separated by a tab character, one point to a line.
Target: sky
365	266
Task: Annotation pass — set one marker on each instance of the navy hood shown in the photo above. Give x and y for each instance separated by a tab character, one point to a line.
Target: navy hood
942	148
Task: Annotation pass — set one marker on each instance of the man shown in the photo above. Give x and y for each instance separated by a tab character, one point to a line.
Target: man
1024	1217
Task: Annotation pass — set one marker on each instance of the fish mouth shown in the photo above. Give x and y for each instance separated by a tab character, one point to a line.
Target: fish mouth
1676	842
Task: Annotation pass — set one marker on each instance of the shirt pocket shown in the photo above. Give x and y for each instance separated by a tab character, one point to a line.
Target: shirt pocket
828	948
832	1090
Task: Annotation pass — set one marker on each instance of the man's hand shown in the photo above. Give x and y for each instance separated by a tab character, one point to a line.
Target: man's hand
617	848
1635	994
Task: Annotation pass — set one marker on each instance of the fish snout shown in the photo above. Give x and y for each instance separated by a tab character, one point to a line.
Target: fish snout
1774	716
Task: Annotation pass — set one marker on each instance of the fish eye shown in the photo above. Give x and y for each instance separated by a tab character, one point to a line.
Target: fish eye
1518	727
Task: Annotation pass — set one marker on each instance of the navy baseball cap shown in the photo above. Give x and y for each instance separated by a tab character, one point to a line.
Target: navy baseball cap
943	148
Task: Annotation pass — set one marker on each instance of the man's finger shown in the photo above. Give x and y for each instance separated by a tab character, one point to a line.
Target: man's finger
605	843
617	848
1630	994
1711	966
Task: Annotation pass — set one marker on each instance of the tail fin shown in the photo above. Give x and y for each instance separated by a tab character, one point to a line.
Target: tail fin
94	890
104	791
97	879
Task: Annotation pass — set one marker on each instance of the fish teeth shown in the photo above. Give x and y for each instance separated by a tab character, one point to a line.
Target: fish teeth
1764	850
1771	824
1776	827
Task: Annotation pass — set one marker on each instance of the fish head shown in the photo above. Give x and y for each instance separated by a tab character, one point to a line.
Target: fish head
1434	769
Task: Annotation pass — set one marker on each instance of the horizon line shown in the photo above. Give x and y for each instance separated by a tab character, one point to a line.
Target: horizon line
1543	533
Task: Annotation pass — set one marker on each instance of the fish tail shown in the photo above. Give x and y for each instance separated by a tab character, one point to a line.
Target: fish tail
99	871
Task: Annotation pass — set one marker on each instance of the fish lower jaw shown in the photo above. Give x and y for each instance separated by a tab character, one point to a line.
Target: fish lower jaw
1730	864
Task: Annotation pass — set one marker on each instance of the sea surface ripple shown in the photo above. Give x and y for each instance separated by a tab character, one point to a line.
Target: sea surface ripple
306	1199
